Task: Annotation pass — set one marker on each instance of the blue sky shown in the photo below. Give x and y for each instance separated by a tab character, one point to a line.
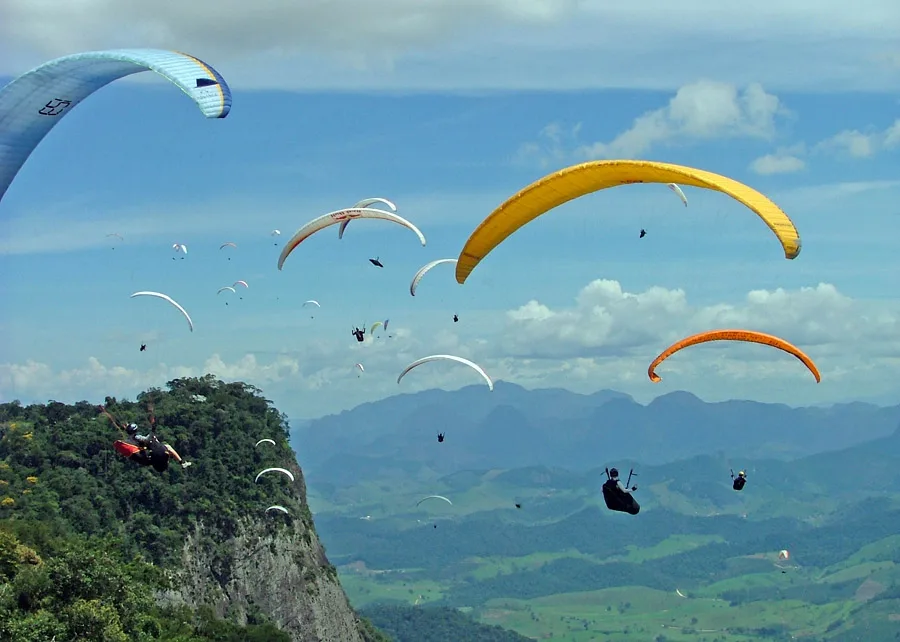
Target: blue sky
448	127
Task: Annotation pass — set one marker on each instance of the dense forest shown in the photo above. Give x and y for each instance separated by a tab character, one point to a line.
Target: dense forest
88	540
407	624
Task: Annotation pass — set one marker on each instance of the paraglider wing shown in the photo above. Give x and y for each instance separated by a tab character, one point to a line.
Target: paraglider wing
34	102
424	499
236	283
375	326
281	509
784	555
276	232
264	441
360	366
315	303
572	182
275	470
733	335
170	300
675	188
366	202
423	271
449	357
228	244
227	287
333	218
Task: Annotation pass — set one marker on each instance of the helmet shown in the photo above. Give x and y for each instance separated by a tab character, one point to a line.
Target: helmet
132	426
613	472
742	474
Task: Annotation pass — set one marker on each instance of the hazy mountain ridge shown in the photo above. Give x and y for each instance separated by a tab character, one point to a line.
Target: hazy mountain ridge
514	427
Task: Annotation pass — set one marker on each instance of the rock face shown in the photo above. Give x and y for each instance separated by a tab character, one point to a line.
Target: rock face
273	565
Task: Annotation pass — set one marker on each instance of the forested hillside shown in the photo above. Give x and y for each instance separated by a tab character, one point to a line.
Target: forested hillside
94	547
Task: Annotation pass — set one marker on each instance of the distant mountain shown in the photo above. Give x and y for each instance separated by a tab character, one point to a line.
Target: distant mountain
514	427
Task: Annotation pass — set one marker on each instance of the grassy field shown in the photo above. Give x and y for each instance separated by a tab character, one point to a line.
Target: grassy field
767	603
366	587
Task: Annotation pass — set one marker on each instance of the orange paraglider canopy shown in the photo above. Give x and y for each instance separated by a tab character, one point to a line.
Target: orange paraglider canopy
733	335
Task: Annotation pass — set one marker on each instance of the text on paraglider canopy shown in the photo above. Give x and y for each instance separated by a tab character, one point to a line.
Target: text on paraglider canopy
54	107
345	214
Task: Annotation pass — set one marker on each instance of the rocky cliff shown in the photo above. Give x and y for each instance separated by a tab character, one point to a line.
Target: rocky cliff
273	565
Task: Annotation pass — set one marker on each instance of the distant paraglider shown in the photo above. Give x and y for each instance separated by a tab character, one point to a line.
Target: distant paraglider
228	244
425	499
738	481
311	302
334	218
675	188
423	271
172	301
749	336
289	474
448	357
265	441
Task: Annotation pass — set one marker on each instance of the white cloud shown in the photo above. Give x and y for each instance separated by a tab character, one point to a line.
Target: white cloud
478	44
554	146
785	160
606	339
702	110
858	144
611	336
777	164
850	142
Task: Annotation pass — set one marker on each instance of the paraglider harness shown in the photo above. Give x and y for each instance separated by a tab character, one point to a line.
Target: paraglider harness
154	452
618	500
738	481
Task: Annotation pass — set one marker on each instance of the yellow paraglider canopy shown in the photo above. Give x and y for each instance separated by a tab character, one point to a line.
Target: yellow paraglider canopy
578	180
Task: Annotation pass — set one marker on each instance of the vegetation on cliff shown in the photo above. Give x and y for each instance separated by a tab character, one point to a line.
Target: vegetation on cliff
89	541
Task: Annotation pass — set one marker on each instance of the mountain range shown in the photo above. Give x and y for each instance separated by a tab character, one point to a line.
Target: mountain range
512	427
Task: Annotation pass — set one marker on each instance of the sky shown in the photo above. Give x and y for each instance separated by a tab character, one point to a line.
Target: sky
447	108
